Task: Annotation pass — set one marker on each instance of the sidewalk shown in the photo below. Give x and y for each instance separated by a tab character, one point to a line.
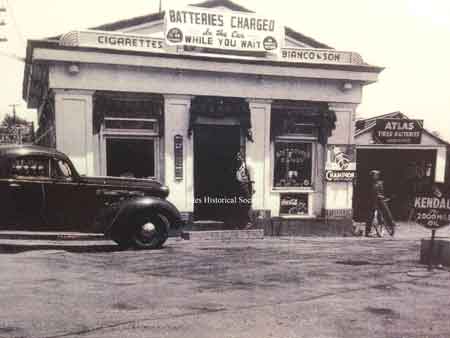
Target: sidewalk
404	230
411	230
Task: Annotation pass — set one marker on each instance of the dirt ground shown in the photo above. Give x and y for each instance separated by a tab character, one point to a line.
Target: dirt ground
275	287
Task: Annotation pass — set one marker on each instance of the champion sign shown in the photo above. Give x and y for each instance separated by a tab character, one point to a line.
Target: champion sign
340	175
214	29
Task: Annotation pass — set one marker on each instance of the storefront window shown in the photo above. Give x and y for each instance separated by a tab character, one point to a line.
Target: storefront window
129	157
131	145
293	164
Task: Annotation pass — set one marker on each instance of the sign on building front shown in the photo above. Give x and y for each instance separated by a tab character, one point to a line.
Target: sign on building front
341	163
398	131
319	56
293	204
111	40
224	30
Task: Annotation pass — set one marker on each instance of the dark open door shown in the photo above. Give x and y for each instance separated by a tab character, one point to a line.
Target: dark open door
215	148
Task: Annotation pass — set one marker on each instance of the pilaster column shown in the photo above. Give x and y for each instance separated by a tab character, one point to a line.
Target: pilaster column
339	195
176	122
73	123
345	124
258	152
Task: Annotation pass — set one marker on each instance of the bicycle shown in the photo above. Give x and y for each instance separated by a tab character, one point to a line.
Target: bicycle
379	223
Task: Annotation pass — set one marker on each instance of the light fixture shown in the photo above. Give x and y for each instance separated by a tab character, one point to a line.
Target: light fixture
73	69
346	86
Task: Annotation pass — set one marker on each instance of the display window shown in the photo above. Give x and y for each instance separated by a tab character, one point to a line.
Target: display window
131	157
293	164
130	147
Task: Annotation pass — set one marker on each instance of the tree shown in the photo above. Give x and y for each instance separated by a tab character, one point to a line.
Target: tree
9	121
14	129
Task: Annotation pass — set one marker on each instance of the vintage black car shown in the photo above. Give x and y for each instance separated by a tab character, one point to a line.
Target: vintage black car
41	190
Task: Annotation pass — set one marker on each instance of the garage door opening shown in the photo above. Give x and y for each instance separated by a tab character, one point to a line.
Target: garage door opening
404	171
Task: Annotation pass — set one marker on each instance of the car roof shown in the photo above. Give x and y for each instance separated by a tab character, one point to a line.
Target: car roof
16	150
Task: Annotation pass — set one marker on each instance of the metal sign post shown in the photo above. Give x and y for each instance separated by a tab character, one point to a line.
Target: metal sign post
430	254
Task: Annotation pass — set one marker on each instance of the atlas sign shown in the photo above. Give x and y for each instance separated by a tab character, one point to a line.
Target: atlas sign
398	131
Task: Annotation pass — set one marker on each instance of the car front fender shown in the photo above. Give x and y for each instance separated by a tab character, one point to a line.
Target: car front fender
127	211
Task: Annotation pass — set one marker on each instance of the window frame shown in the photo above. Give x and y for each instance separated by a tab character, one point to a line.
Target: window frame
156	150
132	134
295	139
125	131
55	161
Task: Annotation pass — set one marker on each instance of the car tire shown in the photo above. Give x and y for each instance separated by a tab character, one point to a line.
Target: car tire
150	232
123	243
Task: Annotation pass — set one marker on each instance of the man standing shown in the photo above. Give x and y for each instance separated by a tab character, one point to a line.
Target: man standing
246	191
377	201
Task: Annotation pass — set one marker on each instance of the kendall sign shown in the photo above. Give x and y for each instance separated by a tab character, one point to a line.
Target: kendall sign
398	131
432	210
221	30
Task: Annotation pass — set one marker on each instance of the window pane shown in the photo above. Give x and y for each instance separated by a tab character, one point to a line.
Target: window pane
130	157
61	169
30	167
293	164
130	124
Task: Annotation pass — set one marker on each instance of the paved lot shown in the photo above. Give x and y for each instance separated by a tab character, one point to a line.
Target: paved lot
276	287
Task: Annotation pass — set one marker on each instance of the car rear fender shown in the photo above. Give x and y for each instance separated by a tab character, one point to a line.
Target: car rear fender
131	208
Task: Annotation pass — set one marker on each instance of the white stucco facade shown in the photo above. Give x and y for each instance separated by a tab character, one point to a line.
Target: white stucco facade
76	75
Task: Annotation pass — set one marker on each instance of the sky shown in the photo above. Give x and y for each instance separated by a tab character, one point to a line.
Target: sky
410	38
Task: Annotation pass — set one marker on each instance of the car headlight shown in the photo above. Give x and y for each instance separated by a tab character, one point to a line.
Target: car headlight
165	190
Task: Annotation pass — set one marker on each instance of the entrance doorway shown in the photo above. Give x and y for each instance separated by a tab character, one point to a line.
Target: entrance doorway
403	171
215	186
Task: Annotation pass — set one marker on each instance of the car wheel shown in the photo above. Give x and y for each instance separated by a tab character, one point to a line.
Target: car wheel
150	232
123	243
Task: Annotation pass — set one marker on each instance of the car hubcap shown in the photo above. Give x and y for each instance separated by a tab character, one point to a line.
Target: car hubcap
148	230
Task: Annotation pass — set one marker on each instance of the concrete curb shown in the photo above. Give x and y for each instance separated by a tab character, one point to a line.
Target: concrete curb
223	234
51	236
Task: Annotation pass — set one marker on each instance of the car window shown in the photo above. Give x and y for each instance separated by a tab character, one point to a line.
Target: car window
37	167
61	169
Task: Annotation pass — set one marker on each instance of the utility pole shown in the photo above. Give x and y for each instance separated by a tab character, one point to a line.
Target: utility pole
14	105
14	129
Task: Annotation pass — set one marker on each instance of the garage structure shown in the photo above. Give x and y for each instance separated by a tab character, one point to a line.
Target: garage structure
174	95
408	156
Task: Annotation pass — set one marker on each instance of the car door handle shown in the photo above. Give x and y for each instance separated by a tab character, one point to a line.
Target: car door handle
15	185
106	192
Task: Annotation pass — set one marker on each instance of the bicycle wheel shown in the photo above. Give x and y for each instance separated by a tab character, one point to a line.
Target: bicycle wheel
390	229
378	223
